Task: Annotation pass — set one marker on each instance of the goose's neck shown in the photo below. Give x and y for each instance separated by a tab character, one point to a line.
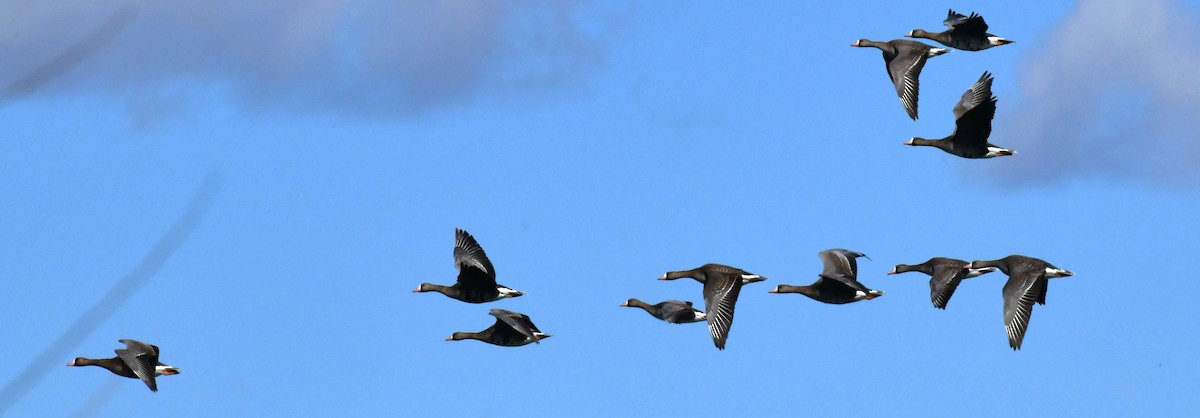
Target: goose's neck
482	336
939	143
653	310
886	47
114	365
81	361
430	287
923	268
694	274
804	290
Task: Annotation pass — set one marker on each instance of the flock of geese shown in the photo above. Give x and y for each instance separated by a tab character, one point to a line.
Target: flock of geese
974	112
836	284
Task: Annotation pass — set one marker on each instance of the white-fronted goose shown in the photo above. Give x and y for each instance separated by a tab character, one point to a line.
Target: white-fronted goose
968	33
904	60
137	360
511	329
973	125
476	276
945	275
672	311
722	284
1027	282
838	282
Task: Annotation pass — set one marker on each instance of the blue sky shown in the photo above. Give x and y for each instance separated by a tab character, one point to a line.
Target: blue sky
590	147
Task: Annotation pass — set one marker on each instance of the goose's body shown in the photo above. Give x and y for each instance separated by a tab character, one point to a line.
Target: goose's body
945	276
512	329
968	33
137	360
904	60
1027	282
672	311
838	282
722	285
476	276
973	125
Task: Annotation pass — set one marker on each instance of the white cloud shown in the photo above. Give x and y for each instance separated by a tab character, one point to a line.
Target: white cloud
363	57
1112	93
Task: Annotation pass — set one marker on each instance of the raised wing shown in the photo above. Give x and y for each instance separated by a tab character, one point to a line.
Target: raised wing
974	113
839	262
472	263
972	24
979	93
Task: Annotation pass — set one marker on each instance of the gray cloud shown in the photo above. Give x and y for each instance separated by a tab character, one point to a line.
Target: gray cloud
1110	94
362	57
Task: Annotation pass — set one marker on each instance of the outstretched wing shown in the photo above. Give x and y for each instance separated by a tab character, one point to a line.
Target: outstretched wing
905	71
720	295
1024	287
943	283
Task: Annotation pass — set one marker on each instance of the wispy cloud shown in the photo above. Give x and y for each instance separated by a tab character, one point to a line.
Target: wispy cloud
1111	94
363	57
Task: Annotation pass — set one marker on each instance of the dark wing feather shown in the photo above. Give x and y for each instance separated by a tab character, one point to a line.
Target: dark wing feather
676	312
721	269
974	114
516	322
472	263
979	92
848	282
839	262
141	358
971	25
905	71
944	281
954	18
1020	293
720	295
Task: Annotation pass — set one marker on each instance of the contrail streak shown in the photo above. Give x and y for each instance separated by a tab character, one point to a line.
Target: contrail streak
72	56
115	298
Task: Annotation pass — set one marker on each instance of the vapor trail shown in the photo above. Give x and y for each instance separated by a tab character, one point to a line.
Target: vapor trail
72	56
